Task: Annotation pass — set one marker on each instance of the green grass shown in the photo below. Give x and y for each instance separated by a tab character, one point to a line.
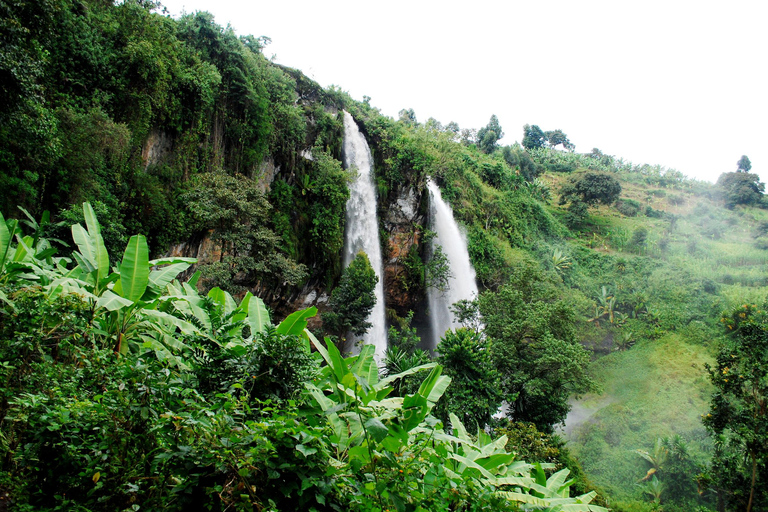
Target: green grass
655	389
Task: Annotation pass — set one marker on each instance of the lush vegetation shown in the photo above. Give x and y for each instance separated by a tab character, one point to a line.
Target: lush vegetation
624	295
129	390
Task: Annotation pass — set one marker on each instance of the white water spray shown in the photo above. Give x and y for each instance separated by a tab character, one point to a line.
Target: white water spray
362	230
461	284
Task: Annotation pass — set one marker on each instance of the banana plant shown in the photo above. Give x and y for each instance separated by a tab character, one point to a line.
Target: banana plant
32	257
552	494
230	316
371	429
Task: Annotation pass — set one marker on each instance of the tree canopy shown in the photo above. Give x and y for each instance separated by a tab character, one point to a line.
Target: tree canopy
740	188
744	165
489	135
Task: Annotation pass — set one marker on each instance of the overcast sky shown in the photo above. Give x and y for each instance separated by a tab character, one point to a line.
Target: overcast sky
677	83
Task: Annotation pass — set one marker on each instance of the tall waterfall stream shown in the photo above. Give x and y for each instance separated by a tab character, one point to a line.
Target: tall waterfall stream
362	229
462	283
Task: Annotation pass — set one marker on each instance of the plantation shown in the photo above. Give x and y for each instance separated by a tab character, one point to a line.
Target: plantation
178	330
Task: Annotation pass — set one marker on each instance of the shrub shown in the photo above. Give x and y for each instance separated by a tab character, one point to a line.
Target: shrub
628	207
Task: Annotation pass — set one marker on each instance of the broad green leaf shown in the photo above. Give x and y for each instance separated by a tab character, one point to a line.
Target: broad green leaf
194	279
296	322
582	507
458	427
112	302
189	307
524	498
320	348
4	298
84	244
376	429
22	248
90	219
45	253
470	464
516	481
306	451
182	325
171	260
5	241
258	317
556	481
100	256
340	431
83	263
434	385
163	277
365	365
223	299
337	363
494	461
415	409
392	378
134	270
323	401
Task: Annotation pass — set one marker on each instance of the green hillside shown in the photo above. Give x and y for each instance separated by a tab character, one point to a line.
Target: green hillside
174	312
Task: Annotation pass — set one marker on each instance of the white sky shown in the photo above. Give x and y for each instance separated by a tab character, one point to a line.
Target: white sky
674	82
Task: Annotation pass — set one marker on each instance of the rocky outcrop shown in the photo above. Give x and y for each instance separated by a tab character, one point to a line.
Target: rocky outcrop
403	221
157	147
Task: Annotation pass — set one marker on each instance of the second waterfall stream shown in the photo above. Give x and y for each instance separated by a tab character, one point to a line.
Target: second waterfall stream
461	283
362	230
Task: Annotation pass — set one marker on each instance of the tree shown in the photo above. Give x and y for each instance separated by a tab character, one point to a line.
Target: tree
489	135
408	117
238	214
468	136
738	416
588	189
744	164
353	299
533	137
474	394
591	188
532	336
740	188
557	137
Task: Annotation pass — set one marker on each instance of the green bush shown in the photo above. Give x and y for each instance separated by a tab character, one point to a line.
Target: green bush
628	207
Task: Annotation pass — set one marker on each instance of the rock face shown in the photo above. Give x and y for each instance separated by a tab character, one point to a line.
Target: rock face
403	221
267	172
157	147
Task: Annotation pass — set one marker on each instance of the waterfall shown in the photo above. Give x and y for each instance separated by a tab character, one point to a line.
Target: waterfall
362	230
461	284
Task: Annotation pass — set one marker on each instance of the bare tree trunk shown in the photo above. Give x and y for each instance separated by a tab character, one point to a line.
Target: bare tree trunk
752	487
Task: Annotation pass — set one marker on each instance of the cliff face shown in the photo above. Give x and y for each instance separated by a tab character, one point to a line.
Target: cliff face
403	222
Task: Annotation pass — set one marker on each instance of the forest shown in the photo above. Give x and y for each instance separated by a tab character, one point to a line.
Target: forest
178	327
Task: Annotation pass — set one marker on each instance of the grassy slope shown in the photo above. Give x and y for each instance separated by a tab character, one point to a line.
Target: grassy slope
660	387
657	388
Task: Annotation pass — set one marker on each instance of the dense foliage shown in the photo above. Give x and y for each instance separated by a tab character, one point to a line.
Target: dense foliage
738	416
130	390
146	385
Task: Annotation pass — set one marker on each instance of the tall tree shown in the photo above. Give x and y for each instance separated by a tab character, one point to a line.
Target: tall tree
587	189
533	137
738	416
744	165
740	188
408	117
353	299
489	135
557	137
531	330
474	394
